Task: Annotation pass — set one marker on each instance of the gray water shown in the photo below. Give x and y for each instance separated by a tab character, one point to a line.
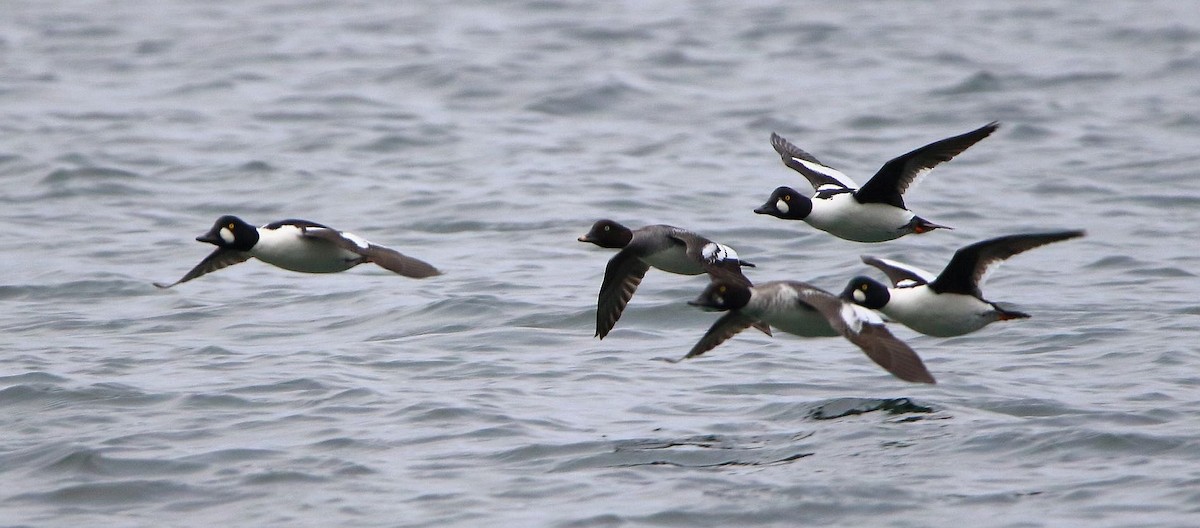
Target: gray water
485	137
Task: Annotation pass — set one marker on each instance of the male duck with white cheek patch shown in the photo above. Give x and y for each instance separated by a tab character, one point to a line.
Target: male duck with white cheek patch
876	211
297	245
950	304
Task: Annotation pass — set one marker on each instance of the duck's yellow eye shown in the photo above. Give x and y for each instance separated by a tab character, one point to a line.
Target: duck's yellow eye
721	289
607	228
787	197
231	227
863	287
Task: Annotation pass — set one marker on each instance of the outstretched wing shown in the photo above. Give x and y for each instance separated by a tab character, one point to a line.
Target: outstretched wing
387	258
896	176
967	268
902	275
220	258
865	329
621	278
396	262
724	328
821	176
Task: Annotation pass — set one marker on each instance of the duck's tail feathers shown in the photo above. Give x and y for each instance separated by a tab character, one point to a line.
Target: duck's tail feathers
920	225
1008	315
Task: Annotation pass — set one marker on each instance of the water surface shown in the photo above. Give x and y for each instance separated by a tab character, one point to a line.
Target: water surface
485	138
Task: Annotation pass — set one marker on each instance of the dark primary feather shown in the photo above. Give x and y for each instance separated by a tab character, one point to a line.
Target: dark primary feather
892	354
621	278
875	340
396	262
729	325
889	183
787	151
220	258
969	264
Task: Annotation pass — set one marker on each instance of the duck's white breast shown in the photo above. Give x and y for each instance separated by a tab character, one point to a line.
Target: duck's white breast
941	315
287	248
674	260
844	217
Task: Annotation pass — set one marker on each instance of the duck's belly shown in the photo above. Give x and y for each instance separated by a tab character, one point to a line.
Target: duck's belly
940	315
843	217
802	322
674	260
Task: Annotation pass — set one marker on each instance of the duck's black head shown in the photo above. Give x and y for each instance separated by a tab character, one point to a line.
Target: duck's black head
608	234
867	292
721	296
787	204
231	232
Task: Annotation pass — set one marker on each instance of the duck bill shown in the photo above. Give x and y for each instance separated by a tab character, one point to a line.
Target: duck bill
211	237
703	304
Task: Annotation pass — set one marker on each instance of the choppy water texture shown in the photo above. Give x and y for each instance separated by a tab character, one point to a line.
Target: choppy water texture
485	137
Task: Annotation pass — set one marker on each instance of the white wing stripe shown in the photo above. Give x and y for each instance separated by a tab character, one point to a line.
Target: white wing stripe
853	323
925	275
714	252
856	316
828	171
917	176
358	241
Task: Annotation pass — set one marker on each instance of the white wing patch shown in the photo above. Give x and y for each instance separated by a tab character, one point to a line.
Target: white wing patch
988	270
358	241
856	316
910	269
918	175
828	171
283	231
714	252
